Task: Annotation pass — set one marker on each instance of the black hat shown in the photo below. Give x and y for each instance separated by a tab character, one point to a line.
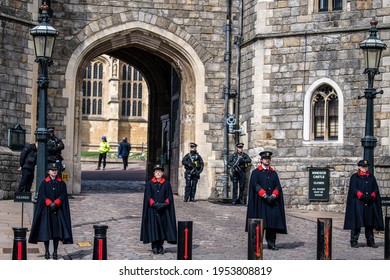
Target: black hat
240	145
266	154
52	166
50	129
158	167
192	144
363	163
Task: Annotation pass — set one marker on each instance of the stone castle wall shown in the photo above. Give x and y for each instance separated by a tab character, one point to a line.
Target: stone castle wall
16	81
288	52
287	47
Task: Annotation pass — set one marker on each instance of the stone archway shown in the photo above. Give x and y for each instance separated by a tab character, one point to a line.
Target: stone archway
154	40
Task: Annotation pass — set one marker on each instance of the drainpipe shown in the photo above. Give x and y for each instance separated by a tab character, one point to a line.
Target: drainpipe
227	59
238	41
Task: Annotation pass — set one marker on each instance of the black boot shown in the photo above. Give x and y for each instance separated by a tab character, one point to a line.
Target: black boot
47	254
55	247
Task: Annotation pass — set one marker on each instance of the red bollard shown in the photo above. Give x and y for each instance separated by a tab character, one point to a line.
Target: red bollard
184	244
19	251
255	239
100	242
324	239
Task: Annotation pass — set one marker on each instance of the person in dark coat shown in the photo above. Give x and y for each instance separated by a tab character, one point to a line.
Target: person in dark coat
193	165
124	151
238	164
52	213
158	214
265	200
27	162
364	207
54	150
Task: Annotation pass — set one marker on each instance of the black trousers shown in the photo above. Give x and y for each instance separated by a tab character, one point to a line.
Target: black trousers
270	236
158	244
26	181
102	157
239	179
125	161
368	232
191	182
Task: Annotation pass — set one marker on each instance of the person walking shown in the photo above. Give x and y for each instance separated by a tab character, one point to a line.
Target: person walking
265	200
54	150
363	207
104	148
124	152
193	164
238	164
52	219
158	214
27	162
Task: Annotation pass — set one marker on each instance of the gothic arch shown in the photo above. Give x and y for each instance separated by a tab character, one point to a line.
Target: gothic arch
307	108
173	47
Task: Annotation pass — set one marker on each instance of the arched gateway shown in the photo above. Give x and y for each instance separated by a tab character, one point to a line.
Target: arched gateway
175	75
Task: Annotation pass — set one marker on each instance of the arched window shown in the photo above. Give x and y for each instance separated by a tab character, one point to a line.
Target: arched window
134	109
128	108
140	91
124	71
94	107
323	112
93	88
139	108
131	92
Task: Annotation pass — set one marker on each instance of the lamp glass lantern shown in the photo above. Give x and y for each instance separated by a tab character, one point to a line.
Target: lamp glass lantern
372	48
44	37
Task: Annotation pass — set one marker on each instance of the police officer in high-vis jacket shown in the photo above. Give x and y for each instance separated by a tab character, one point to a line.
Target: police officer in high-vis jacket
238	164
193	164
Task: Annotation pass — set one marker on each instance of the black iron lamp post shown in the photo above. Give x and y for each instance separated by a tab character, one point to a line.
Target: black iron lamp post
372	48
44	36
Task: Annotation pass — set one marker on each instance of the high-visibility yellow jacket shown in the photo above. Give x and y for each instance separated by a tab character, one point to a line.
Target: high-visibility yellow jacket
104	147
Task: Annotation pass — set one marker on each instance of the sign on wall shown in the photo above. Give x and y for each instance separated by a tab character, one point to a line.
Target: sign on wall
318	184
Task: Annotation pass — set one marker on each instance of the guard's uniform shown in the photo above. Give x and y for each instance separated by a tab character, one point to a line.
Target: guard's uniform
238	164
265	201
193	164
363	207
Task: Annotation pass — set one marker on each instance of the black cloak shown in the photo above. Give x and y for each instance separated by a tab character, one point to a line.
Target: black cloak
359	213
273	215
158	225
48	224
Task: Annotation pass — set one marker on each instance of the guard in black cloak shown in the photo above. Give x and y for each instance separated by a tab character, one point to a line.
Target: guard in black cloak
364	208
265	200
52	213
158	214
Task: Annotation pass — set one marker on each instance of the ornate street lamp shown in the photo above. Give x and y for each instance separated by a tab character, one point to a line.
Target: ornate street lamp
372	48
44	36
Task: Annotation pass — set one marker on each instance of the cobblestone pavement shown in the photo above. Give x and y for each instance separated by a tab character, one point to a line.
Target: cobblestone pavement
218	228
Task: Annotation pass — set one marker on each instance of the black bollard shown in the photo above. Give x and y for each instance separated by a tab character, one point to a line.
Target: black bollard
255	239
184	244
324	239
387	238
100	242
19	251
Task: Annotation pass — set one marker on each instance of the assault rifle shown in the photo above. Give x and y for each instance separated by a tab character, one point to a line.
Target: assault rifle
194	167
